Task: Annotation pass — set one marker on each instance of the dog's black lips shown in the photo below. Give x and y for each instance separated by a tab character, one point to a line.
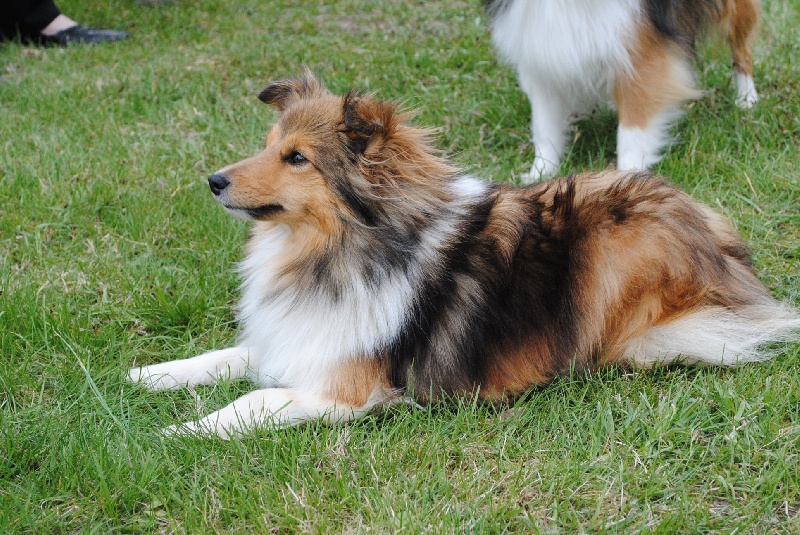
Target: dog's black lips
263	211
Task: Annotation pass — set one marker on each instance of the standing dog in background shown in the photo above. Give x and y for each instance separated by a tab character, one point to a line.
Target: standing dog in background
377	270
571	54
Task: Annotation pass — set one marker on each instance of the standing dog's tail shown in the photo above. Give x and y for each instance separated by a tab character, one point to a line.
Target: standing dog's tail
717	336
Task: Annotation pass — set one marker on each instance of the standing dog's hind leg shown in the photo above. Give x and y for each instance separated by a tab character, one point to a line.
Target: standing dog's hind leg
741	26
648	100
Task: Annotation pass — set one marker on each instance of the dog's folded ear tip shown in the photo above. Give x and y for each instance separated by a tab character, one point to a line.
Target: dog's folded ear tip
280	93
265	95
275	93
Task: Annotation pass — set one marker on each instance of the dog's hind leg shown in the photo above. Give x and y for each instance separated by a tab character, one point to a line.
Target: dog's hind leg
740	22
648	100
208	368
274	407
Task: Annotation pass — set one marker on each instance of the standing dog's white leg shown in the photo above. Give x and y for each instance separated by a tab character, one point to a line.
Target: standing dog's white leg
641	147
550	111
649	101
208	368
278	407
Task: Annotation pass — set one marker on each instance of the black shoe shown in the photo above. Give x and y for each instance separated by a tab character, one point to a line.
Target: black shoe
80	34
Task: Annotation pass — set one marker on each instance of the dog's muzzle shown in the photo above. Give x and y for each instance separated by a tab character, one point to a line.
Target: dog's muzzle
218	182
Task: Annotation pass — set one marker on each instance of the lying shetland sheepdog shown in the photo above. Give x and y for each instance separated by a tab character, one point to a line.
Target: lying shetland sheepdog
378	273
572	54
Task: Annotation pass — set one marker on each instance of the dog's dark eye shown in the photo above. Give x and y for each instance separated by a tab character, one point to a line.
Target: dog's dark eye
295	158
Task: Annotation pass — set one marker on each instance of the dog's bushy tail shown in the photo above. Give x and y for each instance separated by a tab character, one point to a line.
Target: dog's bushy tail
718	336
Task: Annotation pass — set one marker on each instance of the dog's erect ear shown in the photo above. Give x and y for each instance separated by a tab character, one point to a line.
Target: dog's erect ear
368	121
282	92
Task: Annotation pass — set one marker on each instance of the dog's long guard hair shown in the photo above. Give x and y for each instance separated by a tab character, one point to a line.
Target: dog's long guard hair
377	270
573	55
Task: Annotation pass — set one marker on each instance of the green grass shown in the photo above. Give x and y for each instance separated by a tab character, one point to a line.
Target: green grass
112	253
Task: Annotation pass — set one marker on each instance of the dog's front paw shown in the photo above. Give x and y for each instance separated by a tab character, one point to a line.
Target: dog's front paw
150	379
201	428
184	429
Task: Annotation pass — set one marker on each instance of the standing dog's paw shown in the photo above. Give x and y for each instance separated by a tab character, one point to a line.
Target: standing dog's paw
746	94
541	169
747	100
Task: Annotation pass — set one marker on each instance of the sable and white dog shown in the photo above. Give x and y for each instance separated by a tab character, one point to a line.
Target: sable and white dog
377	272
636	54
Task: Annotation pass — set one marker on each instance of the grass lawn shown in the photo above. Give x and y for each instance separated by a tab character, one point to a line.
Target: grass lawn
113	253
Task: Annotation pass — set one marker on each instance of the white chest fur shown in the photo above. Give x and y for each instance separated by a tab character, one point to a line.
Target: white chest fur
296	336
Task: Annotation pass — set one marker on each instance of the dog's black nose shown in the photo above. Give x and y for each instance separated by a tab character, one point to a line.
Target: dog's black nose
217	183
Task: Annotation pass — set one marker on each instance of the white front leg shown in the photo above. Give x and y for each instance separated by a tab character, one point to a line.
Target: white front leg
208	368
274	407
642	147
550	113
